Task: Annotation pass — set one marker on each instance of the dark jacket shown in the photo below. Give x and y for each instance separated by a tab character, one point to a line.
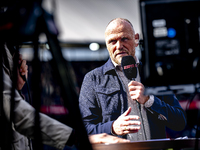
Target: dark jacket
103	99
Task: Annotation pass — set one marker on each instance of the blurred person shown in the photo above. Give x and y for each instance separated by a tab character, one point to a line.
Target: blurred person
53	132
107	98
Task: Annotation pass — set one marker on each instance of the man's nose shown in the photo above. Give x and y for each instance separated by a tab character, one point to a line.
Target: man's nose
119	45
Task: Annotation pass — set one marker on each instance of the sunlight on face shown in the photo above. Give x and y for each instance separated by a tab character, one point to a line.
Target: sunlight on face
120	40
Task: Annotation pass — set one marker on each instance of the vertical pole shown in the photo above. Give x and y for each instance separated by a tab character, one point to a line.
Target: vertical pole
36	82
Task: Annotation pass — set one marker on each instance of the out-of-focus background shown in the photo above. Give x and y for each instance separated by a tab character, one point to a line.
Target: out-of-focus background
81	25
85	21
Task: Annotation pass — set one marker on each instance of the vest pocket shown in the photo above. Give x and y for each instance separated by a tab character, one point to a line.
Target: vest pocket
109	99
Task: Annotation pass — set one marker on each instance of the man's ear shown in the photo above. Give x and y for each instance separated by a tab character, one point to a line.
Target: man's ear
136	39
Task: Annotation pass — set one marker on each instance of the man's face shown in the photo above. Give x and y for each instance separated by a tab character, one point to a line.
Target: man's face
120	40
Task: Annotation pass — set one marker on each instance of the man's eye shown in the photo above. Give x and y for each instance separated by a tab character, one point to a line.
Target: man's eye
124	39
112	41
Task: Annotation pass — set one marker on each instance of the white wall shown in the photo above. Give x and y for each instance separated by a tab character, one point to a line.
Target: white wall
85	20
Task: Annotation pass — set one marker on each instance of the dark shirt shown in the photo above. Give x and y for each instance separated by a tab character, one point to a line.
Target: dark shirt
103	99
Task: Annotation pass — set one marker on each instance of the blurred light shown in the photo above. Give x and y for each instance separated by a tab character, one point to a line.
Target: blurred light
171	32
94	46
27	53
45	55
84	54
47	46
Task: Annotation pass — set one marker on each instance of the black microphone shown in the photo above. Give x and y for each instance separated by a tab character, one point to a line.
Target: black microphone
129	68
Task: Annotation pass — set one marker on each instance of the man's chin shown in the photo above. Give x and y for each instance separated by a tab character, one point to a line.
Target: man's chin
119	58
118	61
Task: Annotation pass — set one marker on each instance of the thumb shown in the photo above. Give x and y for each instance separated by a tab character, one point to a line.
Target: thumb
127	112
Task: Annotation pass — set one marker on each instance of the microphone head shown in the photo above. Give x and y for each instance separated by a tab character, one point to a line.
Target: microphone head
129	67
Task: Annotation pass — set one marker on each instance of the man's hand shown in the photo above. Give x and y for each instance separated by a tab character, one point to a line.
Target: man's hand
126	123
105	138
22	70
136	90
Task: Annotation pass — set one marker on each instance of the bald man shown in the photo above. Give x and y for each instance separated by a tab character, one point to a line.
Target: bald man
108	99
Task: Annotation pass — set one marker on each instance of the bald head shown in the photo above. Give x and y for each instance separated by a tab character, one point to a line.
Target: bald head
118	21
120	39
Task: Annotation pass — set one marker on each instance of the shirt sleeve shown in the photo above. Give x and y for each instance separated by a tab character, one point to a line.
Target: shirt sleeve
168	106
150	101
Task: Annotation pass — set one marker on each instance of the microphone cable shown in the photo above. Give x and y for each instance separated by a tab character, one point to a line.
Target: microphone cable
140	111
129	68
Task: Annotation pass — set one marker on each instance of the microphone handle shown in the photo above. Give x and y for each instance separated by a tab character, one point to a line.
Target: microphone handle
139	106
23	77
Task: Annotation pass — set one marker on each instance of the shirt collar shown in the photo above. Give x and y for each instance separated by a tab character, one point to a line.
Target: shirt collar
108	66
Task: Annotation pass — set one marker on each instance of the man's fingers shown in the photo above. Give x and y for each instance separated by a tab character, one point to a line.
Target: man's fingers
131	117
23	63
131	129
23	66
125	120
128	123
126	113
134	83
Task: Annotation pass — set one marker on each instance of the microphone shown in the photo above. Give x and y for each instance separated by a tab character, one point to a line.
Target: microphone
129	68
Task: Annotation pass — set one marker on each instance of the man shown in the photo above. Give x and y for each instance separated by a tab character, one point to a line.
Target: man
108	99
